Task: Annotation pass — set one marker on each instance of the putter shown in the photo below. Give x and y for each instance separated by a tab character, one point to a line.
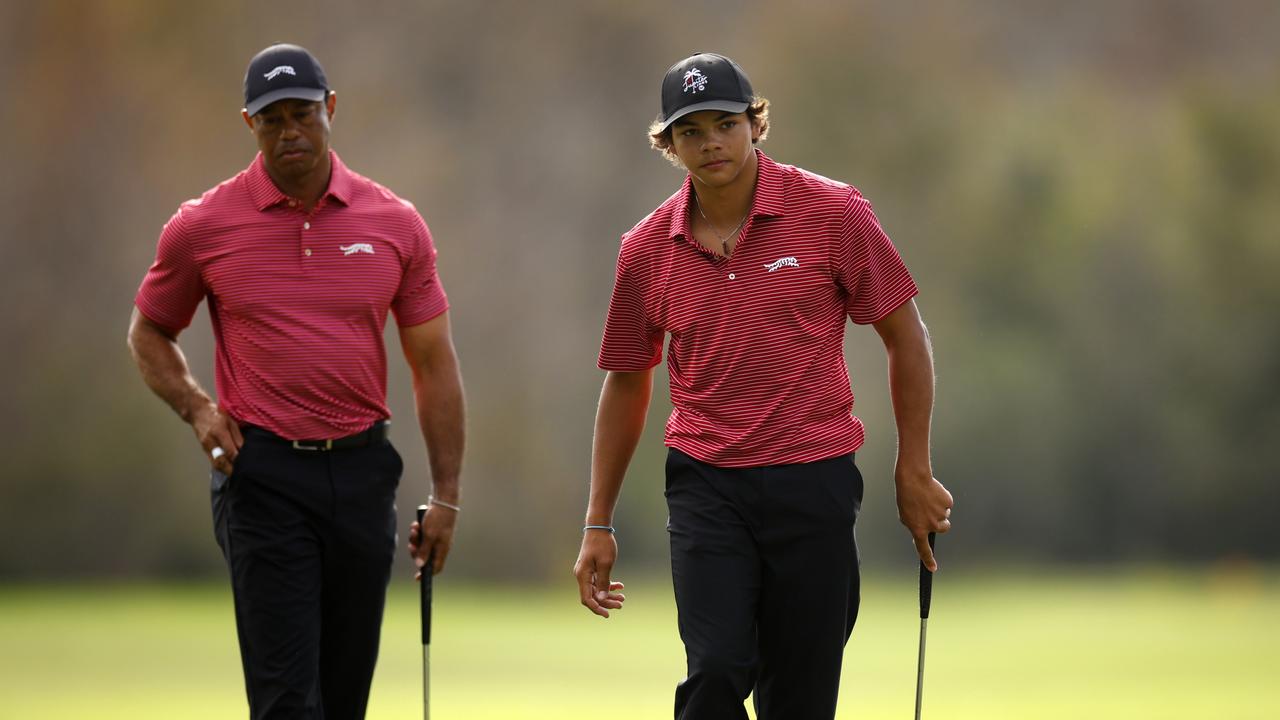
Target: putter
926	595
424	587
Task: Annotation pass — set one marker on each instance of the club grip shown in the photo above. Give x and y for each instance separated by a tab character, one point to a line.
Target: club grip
926	584
424	586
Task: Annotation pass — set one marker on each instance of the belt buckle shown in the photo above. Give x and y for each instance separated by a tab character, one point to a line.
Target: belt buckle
328	445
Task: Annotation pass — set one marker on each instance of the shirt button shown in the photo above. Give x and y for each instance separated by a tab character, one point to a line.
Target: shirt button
293	203
306	226
307	252
732	276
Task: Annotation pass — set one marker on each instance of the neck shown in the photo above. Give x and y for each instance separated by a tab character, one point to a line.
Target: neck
727	204
306	187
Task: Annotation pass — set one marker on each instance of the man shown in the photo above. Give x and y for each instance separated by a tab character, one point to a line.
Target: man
300	260
752	268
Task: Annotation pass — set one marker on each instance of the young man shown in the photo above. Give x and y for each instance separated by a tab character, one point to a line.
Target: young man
301	259
752	268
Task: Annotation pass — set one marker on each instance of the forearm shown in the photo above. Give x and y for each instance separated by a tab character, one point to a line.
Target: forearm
911	388
624	402
164	368
441	409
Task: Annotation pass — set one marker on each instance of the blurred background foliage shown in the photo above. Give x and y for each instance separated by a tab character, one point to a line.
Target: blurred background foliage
1086	192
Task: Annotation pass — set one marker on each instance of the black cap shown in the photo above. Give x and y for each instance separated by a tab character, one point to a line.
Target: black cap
705	81
283	71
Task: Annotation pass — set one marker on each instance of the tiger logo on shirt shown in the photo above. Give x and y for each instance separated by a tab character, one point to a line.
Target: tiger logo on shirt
355	248
781	263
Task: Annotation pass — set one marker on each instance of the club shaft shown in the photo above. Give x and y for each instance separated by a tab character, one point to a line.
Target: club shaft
426	682
924	626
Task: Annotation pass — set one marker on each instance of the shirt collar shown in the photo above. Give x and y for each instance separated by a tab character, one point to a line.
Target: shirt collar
265	194
769	199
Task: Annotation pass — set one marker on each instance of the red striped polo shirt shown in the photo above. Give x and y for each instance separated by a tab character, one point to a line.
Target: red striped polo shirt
298	301
756	359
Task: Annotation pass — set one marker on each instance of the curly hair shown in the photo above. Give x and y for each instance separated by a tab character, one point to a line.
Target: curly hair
757	112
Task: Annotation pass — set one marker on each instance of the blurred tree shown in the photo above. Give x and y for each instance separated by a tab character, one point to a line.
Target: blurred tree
1086	193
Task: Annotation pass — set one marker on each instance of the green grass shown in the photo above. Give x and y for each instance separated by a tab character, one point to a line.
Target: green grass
1001	645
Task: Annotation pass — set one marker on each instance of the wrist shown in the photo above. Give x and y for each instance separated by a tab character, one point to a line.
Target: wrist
451	503
915	473
446	493
197	408
434	501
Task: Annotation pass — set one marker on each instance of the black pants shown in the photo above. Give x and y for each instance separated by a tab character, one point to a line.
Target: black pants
765	568
308	537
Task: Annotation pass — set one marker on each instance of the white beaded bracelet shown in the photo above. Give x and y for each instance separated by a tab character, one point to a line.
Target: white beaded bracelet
431	500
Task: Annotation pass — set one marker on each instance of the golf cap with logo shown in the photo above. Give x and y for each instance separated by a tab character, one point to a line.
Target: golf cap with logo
281	72
705	81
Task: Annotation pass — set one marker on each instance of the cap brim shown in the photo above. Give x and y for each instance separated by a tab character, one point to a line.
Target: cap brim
724	105
293	93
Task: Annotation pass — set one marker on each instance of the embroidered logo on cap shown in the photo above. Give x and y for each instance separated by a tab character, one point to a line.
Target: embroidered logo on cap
356	248
781	263
286	69
695	81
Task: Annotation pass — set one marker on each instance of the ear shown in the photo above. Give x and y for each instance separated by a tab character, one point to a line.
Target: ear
247	120
330	103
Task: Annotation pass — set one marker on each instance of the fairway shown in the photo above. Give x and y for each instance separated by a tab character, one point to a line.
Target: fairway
1072	645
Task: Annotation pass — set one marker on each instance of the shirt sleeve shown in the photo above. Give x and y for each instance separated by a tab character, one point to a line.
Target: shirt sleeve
868	267
631	343
421	296
173	288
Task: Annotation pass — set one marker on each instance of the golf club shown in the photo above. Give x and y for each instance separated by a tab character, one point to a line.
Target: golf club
425	601
926	596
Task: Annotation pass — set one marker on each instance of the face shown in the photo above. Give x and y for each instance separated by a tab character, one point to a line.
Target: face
715	146
293	135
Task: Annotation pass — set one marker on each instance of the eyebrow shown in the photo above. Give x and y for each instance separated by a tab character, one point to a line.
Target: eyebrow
284	106
684	121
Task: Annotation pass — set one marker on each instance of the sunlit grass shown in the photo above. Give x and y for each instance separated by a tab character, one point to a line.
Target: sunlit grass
1074	645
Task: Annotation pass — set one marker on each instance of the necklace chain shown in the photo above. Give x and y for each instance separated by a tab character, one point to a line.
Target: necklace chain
724	239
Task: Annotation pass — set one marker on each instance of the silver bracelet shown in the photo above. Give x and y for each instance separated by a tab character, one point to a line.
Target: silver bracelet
606	528
431	500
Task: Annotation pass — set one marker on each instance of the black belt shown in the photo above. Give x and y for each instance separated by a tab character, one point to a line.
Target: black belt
376	434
